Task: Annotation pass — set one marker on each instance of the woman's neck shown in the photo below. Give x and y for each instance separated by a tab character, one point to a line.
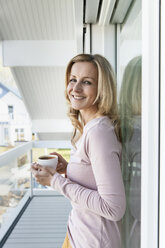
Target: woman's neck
89	116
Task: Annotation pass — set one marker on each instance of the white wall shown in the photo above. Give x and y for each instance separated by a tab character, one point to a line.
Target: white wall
21	117
105	45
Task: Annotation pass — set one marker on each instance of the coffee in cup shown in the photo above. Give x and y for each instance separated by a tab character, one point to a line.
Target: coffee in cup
48	160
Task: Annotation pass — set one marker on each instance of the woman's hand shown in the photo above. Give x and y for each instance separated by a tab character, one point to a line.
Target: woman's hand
42	174
62	163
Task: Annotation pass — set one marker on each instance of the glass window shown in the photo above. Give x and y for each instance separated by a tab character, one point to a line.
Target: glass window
22	138
130	112
14	183
6	135
11	111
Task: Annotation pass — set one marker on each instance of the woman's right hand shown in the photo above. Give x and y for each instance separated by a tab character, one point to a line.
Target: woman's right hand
62	163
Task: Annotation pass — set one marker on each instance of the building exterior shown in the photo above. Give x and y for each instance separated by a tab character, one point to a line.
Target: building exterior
15	124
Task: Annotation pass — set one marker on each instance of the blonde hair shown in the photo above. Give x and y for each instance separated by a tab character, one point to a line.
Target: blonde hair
130	95
106	98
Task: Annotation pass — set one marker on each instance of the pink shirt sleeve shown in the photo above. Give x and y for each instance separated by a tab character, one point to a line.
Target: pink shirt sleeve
109	199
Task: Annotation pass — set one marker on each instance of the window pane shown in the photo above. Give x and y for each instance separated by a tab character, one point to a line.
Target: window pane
14	183
130	111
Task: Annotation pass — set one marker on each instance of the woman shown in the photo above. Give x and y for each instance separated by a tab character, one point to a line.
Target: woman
93	181
130	112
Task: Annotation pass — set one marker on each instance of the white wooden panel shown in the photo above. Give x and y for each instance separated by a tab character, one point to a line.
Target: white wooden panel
150	123
162	131
37	19
91	11
106	12
38	53
42	89
58	125
78	23
120	11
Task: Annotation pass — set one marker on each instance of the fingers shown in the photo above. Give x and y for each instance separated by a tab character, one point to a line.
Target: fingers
35	169
40	173
50	170
61	168
38	179
40	167
34	165
56	153
60	165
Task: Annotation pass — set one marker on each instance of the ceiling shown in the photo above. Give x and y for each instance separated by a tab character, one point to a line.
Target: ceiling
38	39
37	19
41	86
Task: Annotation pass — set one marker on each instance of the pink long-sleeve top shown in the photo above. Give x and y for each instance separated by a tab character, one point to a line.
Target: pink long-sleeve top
95	187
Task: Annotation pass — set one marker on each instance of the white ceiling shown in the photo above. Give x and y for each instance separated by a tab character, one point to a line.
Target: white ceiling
42	87
37	68
37	19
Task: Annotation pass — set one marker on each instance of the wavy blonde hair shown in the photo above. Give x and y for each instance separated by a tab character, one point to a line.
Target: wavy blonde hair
106	98
130	96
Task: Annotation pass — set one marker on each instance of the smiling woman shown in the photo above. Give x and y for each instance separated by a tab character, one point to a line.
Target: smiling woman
82	89
101	82
93	181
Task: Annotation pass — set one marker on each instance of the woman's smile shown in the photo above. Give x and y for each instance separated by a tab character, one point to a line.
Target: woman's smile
78	98
82	87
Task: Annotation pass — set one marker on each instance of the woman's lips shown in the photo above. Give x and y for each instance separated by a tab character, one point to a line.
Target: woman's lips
78	97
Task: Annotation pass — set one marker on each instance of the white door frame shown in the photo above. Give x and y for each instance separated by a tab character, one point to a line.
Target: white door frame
150	124
162	132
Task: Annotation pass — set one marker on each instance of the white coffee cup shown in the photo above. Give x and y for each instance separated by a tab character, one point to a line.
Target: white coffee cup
48	160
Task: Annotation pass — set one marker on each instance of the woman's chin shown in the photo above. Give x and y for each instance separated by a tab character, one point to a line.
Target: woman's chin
76	107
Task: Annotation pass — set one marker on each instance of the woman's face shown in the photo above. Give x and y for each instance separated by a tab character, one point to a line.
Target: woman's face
82	87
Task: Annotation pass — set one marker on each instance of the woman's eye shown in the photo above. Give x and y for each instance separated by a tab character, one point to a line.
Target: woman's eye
87	82
72	80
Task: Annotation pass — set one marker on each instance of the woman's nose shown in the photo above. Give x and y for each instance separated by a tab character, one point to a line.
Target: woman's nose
77	86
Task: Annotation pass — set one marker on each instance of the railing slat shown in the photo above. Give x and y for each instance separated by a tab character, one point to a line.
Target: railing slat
52	144
8	156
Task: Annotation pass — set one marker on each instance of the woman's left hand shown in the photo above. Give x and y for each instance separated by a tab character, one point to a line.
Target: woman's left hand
42	174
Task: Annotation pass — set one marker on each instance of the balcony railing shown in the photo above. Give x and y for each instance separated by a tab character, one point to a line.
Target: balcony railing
23	195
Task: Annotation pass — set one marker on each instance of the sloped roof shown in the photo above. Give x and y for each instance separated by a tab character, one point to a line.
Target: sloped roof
5	89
